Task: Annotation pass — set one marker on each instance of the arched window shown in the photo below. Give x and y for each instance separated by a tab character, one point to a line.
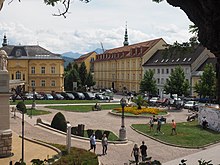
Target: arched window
18	75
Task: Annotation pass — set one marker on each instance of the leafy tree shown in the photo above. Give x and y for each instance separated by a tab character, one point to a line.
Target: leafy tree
83	74
177	84
89	80
148	83
69	67
71	76
75	66
206	87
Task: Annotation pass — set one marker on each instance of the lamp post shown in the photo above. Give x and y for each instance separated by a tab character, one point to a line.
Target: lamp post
122	131
33	103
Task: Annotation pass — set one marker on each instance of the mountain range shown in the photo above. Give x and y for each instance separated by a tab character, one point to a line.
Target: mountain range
71	56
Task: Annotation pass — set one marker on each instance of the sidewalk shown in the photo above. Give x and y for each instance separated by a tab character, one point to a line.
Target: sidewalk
31	151
118	154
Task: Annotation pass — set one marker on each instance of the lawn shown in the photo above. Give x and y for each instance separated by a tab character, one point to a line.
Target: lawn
189	134
111	137
54	101
82	108
36	112
76	156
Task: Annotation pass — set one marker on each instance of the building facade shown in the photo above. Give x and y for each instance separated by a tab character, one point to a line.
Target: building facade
121	68
37	67
88	59
163	64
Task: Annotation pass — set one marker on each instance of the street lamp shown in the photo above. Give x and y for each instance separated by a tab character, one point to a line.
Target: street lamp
122	131
33	103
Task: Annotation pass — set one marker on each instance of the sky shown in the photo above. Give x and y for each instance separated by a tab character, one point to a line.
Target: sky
31	22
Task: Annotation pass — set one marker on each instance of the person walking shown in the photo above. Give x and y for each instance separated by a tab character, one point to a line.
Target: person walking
136	153
92	142
104	144
159	123
143	149
173	127
151	123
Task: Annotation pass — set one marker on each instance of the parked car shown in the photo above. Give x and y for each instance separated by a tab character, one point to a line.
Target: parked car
192	105
57	96
100	96
78	95
153	100
48	96
89	95
28	96
67	95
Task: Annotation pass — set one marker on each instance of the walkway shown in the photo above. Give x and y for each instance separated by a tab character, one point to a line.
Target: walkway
117	154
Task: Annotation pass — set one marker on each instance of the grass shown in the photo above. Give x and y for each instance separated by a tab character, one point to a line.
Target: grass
82	108
189	134
111	137
36	112
54	101
76	156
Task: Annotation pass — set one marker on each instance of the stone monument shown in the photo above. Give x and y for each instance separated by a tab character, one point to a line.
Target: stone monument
5	131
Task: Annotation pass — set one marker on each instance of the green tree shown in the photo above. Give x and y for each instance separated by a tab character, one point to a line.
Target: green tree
206	87
59	122
177	84
71	76
148	83
89	80
83	74
69	67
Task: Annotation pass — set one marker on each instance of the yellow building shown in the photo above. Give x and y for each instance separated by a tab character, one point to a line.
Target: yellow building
89	59
37	67
121	68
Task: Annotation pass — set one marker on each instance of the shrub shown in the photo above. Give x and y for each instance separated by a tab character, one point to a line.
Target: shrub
21	107
59	122
74	130
98	134
89	132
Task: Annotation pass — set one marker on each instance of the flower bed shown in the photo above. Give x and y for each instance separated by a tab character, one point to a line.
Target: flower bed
136	111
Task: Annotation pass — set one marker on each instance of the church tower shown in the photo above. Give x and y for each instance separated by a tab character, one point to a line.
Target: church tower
126	43
4	41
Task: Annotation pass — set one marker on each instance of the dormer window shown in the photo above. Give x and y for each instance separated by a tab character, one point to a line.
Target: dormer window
189	59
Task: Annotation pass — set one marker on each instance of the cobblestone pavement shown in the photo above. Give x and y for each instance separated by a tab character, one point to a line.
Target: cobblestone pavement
117	154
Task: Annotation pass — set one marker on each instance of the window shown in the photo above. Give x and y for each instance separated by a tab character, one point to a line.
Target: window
53	83
171	70
158	71
12	76
53	69
33	83
32	70
43	83
162	81
43	70
162	70
23	76
18	75
167	71
158	81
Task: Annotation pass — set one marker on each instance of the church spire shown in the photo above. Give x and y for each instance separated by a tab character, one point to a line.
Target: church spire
126	43
4	41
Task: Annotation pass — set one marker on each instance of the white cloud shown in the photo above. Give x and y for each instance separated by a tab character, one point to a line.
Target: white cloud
89	24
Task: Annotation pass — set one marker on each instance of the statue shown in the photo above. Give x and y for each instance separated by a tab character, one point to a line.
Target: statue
3	60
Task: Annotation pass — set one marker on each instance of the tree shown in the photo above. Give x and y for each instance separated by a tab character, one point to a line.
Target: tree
177	84
89	80
59	122
83	74
71	76
148	83
206	87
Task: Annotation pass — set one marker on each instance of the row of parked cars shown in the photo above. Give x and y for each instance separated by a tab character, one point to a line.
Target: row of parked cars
64	96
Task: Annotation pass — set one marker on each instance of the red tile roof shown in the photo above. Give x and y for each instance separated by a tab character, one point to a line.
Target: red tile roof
135	50
83	57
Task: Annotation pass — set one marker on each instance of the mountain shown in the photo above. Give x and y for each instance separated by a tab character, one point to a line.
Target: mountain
67	60
98	51
71	55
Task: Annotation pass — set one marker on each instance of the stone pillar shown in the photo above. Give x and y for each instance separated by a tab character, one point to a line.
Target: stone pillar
68	137
5	131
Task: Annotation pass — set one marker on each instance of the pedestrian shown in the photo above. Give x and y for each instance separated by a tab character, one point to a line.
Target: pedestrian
173	127
104	144
159	126
151	123
143	149
135	152
92	142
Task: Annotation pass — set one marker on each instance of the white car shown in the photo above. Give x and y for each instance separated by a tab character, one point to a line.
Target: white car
190	104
